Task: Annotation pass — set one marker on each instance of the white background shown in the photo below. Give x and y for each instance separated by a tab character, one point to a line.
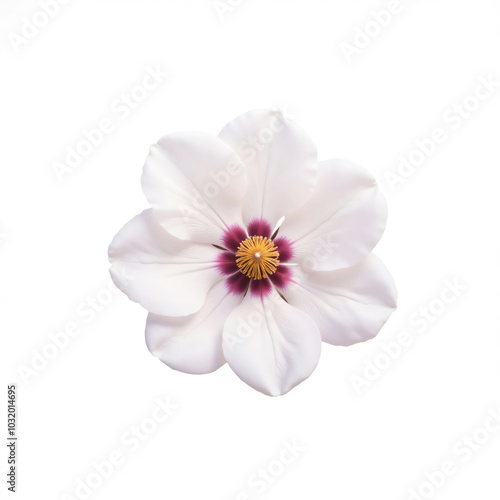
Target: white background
377	442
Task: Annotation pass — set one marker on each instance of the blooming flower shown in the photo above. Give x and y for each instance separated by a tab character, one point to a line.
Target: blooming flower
253	252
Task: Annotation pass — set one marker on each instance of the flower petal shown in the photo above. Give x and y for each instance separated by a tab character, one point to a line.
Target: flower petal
271	345
280	160
349	305
237	283
195	183
285	248
343	220
259	227
282	277
164	274
193	344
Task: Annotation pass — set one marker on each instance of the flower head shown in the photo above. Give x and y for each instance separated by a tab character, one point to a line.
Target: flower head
253	252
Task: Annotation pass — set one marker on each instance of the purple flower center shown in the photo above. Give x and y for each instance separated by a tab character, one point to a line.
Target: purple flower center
255	260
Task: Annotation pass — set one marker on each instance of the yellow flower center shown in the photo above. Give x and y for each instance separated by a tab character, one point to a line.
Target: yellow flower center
257	257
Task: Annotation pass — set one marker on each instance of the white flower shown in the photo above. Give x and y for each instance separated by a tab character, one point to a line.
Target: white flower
220	284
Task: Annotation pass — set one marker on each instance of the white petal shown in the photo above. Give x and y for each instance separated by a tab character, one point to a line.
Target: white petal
271	345
164	274
195	183
349	305
280	159
193	344
343	220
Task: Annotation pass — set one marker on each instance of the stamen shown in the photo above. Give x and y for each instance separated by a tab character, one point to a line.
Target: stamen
257	257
